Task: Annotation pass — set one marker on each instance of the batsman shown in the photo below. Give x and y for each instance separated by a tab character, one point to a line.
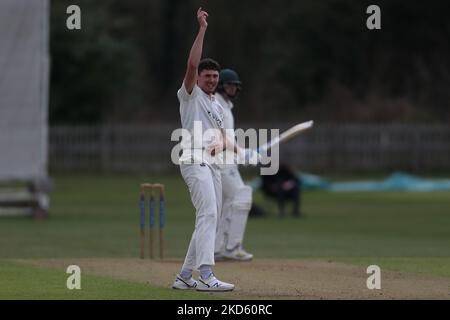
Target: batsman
236	196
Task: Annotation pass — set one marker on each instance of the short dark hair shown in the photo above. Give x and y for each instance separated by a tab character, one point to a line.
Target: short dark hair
208	64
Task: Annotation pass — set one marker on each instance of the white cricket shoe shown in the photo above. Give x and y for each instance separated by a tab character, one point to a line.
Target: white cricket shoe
183	284
213	284
238	254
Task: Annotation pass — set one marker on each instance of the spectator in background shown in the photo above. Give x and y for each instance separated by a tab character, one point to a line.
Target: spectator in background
284	186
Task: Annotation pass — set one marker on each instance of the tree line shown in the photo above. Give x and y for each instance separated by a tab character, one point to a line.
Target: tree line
296	59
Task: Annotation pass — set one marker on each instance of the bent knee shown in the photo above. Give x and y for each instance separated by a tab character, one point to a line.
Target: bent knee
207	210
206	219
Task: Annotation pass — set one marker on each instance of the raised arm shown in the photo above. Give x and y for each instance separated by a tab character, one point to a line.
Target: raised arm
196	52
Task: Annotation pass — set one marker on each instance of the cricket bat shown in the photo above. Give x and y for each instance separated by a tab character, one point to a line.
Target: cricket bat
287	135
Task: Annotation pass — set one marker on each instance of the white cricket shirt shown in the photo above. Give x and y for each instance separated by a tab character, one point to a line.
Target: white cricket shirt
195	109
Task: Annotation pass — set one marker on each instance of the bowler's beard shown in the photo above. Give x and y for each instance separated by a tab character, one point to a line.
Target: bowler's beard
209	89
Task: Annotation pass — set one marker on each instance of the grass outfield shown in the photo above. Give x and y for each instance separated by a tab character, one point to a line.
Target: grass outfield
20	281
98	217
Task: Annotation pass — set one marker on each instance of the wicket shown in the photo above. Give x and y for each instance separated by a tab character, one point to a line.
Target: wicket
151	188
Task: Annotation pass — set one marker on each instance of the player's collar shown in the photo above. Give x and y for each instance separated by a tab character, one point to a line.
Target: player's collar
210	96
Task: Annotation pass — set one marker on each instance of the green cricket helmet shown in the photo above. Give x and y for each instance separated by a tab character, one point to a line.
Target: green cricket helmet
229	76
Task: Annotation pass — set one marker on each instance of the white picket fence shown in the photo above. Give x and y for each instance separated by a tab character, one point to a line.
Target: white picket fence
336	148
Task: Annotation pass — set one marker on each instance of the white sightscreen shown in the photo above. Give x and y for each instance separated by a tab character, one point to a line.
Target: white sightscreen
24	60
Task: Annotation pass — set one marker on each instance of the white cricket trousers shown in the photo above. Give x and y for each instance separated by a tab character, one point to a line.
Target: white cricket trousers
205	188
236	204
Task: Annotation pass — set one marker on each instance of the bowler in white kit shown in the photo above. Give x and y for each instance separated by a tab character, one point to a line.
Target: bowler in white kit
203	177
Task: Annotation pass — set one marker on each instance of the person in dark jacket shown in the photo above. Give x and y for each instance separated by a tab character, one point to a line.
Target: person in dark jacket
284	186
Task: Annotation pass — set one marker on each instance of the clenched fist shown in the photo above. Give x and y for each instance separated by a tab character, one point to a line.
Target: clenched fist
201	17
